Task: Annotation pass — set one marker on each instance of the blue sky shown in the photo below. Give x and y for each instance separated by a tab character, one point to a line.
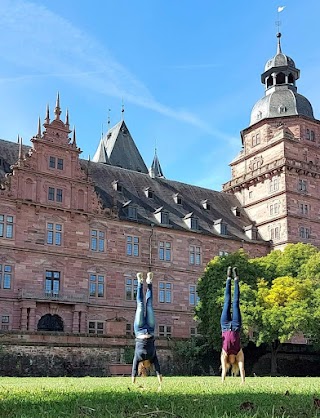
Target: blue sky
188	72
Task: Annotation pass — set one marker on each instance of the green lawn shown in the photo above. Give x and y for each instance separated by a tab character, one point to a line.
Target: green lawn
180	397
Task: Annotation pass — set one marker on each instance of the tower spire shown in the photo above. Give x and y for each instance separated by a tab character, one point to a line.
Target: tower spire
47	119
67	119
122	110
39	128
74	142
57	110
279	51
20	149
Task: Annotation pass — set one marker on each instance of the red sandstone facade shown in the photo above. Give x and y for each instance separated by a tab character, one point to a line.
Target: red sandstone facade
65	262
276	179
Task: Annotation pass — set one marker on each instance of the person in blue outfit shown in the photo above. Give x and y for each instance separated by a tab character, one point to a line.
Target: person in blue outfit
145	355
231	353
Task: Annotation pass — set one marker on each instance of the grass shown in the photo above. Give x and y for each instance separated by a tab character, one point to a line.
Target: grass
181	397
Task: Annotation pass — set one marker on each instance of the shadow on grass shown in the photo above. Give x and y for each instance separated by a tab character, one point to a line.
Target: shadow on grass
137	402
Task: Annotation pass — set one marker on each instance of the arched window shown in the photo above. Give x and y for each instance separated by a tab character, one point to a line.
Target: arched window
281	79
269	81
50	322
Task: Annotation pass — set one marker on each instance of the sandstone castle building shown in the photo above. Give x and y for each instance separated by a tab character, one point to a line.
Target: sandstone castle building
74	233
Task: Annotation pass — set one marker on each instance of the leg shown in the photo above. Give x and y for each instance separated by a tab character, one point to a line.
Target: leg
139	320
236	314
150	318
226	313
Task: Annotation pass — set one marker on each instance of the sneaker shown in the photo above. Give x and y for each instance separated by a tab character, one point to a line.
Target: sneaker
229	271
235	273
149	277
140	277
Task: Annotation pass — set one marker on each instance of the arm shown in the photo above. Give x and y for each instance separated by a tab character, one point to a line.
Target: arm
157	369
223	367
240	358
134	372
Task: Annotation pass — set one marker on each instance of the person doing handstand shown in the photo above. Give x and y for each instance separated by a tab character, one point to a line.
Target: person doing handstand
231	353
145	355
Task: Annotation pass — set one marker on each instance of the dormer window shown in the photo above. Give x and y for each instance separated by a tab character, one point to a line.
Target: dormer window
192	221
178	199
206	205
148	192
251	232
162	216
220	227
282	109
259	115
131	210
117	186
236	211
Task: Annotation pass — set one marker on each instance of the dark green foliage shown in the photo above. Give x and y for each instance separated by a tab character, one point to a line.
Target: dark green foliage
211	291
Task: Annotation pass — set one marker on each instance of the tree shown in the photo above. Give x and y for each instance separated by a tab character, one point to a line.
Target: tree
211	287
289	262
293	257
282	310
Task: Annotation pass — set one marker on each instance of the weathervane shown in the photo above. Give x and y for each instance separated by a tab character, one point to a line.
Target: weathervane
278	22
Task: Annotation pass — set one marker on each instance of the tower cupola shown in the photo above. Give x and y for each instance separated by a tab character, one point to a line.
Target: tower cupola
281	97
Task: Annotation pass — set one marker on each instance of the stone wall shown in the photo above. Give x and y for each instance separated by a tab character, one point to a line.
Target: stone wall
54	354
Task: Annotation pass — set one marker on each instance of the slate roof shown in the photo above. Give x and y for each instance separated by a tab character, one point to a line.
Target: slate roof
121	149
133	185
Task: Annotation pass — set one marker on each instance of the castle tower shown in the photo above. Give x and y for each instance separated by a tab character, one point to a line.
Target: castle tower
276	176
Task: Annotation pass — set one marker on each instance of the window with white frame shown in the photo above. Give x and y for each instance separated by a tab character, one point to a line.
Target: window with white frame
304	232
55	194
164	251
164	217
132	212
303	209
274	208
255	139
193	297
96	327
223	253
302	185
131	288
56	163
165	292
165	331
275	233
132	246
194	223
194	255
54	233
274	184
97	240
5	321
96	286
52	284
5	276
6	226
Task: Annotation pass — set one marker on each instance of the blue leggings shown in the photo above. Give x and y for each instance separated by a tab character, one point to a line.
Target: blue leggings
228	322
144	322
